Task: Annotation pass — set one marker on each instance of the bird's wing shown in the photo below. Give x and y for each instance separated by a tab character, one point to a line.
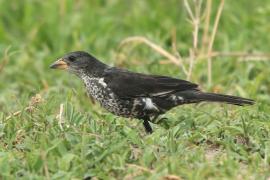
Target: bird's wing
127	84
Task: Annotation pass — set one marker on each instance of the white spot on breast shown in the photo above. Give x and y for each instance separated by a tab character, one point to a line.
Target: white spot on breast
111	94
149	104
101	81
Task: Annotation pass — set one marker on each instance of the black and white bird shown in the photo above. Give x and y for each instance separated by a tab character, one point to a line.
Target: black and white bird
136	95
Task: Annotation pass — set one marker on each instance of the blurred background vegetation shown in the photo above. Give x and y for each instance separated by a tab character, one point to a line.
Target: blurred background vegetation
202	141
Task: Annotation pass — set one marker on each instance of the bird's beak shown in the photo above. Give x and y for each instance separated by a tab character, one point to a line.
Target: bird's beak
59	64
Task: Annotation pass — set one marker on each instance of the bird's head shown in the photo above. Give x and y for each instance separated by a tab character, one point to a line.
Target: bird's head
77	62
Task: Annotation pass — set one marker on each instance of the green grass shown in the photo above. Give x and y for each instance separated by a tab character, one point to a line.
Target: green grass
205	141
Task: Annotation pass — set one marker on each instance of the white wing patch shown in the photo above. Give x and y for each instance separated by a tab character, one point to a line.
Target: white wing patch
175	98
101	81
149	104
180	98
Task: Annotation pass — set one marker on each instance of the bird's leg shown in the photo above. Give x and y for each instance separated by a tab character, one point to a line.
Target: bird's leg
147	126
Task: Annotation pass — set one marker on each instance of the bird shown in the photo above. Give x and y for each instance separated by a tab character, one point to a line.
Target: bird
136	95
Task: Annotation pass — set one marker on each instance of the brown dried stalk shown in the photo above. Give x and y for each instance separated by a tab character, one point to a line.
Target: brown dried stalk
205	38
155	47
195	20
174	46
210	46
243	56
60	116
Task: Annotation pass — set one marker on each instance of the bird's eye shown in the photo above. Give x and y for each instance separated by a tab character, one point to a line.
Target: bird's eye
71	58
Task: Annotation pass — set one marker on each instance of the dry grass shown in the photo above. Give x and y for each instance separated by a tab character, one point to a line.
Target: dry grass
155	47
60	116
202	47
35	100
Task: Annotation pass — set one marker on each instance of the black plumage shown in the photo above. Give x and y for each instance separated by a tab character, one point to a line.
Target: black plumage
136	95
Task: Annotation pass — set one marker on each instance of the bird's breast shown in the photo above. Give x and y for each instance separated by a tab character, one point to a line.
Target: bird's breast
98	89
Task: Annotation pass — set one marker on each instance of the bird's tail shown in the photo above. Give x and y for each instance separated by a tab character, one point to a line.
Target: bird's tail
198	96
213	97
